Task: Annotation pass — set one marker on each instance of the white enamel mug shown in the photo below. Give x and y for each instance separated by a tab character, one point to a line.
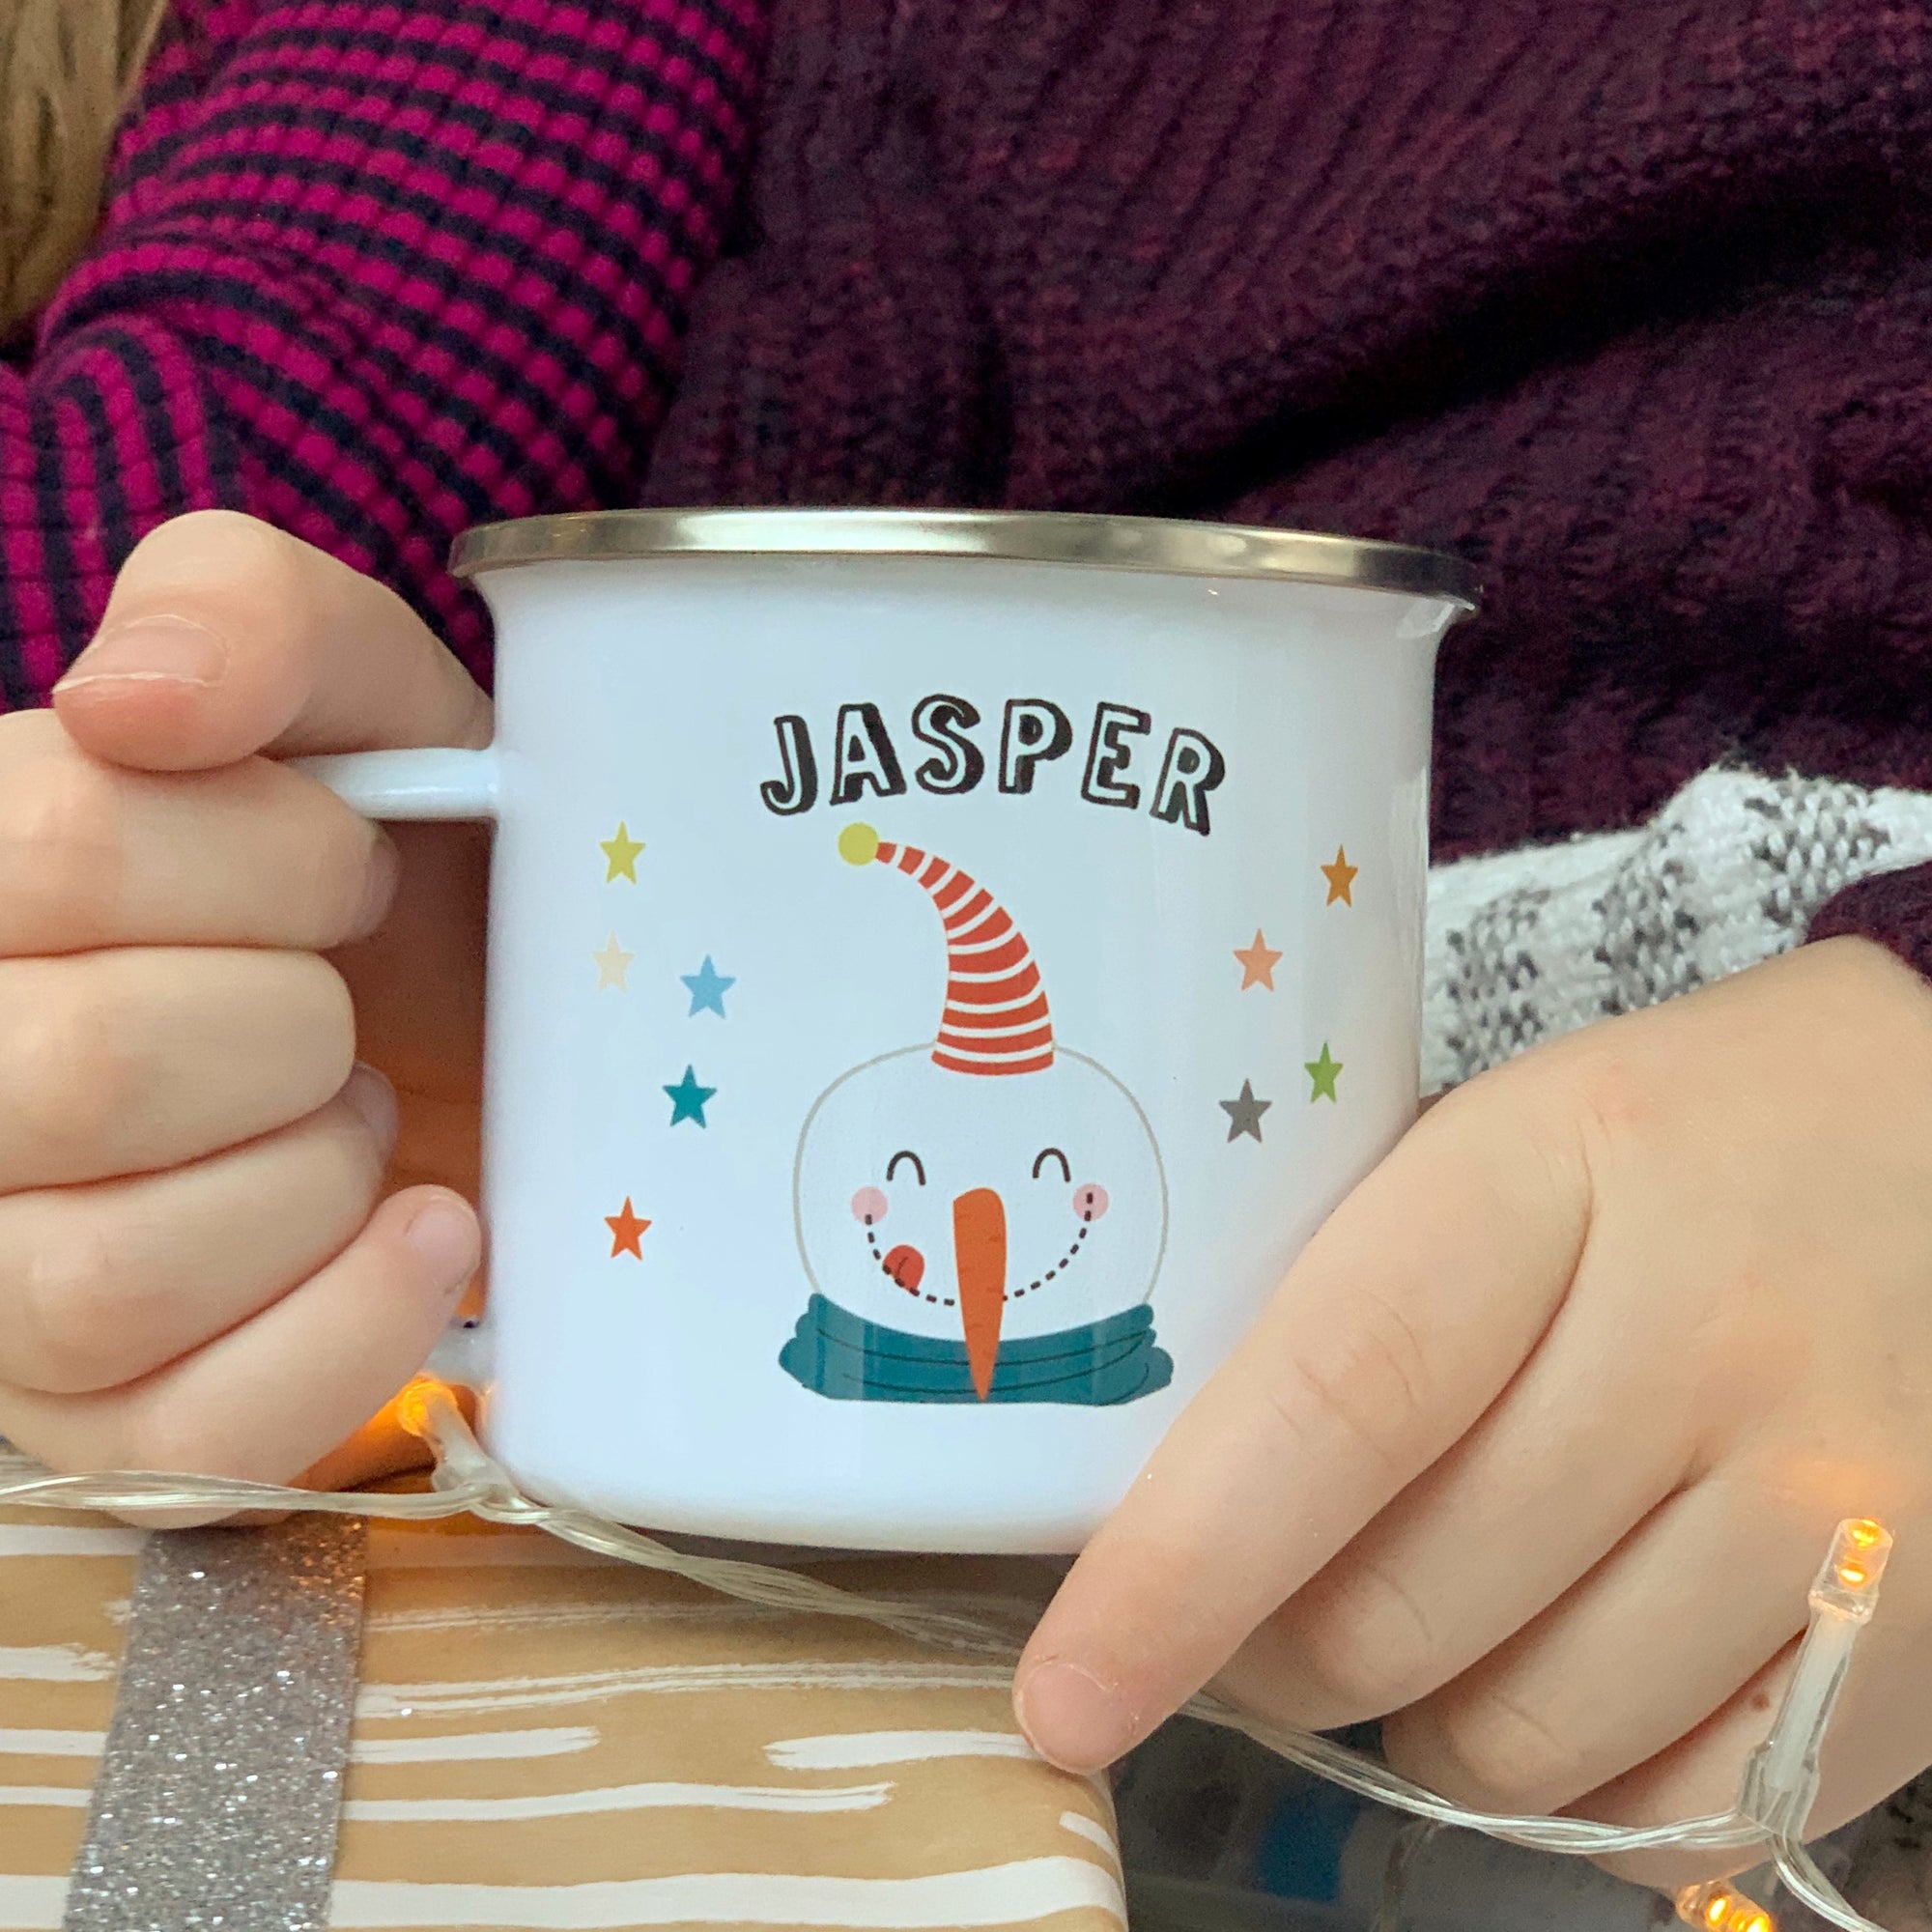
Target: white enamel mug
941	968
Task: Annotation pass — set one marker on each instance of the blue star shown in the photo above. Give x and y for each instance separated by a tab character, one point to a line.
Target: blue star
688	1099
708	988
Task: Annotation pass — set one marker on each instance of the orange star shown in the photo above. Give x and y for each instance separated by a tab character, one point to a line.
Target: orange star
1258	963
1341	876
626	1231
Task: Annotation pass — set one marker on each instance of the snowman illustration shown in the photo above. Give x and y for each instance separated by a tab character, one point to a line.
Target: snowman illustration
981	1217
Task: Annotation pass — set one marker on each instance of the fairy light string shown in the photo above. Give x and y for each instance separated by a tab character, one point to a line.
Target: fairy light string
1780	1782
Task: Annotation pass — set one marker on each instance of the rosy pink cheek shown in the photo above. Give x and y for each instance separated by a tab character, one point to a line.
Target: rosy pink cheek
869	1205
1090	1201
906	1267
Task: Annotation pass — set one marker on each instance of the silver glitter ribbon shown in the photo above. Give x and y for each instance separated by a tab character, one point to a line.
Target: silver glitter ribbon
221	1787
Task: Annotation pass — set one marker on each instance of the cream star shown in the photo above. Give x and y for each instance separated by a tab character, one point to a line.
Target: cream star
612	963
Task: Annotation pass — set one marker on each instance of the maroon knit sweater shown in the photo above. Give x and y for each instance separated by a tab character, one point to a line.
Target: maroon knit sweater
1628	300
374	269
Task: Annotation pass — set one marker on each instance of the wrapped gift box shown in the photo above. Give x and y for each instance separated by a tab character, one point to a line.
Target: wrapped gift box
544	1739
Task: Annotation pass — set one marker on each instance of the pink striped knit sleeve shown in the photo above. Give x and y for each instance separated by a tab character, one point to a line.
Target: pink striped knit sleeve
376	273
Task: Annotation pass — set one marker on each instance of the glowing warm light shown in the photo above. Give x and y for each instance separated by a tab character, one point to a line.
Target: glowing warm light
413	1404
1848	1584
1719	1907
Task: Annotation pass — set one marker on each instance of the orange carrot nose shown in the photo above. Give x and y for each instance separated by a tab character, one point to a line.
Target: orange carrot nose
979	1264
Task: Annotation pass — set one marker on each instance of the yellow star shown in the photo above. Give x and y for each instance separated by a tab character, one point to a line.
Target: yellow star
612	963
1340	877
1258	963
627	1230
622	852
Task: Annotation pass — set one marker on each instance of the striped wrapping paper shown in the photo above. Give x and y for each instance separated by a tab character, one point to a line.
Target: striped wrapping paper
546	1740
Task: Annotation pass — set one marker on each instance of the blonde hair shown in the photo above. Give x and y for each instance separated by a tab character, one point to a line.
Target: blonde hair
66	68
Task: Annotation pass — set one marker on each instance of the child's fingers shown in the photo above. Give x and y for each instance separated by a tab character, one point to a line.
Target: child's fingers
124	1062
250	855
1498	1529
1400	1325
274	1395
1472	1552
1627	1663
102	1284
225	637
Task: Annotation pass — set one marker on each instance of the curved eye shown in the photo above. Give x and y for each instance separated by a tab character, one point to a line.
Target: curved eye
906	1154
1053	1153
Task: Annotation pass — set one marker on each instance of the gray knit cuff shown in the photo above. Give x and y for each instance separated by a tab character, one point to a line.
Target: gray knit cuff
1525	945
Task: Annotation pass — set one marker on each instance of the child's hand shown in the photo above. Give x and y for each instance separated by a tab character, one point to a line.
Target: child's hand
194	1272
1543	1438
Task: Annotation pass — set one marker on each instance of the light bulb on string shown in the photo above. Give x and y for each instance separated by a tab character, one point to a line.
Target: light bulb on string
1721	1908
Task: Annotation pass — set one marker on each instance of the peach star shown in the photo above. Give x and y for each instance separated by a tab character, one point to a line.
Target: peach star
1258	963
1340	877
626	1232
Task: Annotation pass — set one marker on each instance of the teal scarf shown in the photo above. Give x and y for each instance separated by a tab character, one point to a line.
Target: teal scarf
837	1354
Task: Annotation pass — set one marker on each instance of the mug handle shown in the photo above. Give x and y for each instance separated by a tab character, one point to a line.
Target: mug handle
436	783
433	784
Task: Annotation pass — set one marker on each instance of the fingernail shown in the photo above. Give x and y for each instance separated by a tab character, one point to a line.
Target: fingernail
156	650
443	1236
375	1100
1071	1719
385	867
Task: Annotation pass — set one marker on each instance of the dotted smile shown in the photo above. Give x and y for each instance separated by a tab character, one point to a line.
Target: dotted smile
906	1267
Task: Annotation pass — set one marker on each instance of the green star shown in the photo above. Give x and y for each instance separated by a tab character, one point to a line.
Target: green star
1323	1072
688	1099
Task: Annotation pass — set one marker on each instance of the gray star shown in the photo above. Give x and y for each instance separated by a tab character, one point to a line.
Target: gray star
1244	1116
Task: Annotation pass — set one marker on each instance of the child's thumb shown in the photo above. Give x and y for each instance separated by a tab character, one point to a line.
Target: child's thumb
224	638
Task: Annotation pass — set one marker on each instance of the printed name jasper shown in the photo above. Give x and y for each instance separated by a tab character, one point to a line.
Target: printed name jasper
1033	731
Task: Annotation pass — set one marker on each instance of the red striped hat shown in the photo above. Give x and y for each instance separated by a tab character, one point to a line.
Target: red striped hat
996	1019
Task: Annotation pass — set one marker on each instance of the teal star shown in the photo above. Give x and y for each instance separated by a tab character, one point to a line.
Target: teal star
708	988
688	1099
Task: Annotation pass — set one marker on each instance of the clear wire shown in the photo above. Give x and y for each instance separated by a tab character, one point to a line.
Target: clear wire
1804	1882
467	1480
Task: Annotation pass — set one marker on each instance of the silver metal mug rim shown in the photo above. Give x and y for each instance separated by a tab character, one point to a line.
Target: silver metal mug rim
1152	544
